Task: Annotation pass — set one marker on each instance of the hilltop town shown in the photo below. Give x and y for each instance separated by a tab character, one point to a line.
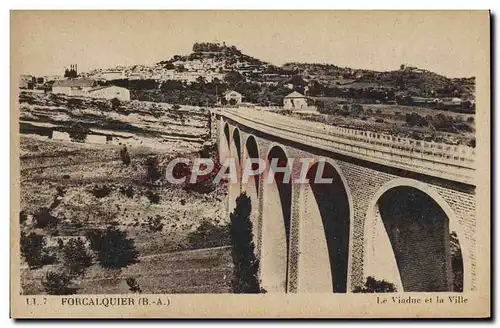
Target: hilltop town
212	69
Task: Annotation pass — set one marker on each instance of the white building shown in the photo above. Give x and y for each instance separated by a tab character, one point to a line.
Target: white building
295	101
110	92
73	87
233	98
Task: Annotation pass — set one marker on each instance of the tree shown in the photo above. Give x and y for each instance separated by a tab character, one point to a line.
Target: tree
153	172
78	133
56	283
124	155
114	249
232	78
76	257
246	265
115	103
32	247
373	285
43	219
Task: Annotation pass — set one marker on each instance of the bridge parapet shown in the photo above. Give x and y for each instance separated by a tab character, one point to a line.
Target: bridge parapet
454	162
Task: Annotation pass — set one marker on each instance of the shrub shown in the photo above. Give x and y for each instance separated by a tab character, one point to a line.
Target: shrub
373	285
74	103
153	172
43	219
153	197
246	265
56	283
124	155
23	217
415	119
133	285
176	107
127	191
356	109
379	120
75	256
113	248
100	191
115	103
378	111
78	133
32	247
470	119
155	224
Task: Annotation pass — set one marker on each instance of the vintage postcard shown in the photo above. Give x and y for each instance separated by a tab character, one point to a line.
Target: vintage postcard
250	164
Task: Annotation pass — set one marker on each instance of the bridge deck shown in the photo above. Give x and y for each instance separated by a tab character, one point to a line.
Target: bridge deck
451	162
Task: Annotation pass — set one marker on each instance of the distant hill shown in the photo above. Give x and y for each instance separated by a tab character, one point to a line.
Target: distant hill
410	81
264	83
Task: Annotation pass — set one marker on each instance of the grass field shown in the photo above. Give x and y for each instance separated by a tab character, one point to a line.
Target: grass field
193	271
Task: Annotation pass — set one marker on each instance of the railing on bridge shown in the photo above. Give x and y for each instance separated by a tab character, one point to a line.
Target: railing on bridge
455	161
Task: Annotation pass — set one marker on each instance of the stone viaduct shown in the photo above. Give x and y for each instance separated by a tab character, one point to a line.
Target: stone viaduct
398	209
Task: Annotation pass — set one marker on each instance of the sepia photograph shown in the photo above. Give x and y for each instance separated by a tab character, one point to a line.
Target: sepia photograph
298	156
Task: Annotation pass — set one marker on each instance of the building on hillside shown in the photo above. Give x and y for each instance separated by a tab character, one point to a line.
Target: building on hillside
26	81
73	87
295	101
233	98
110	92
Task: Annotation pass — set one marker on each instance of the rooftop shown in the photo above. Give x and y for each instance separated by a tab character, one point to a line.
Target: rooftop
295	94
74	83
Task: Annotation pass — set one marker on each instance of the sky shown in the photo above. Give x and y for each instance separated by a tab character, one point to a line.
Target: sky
45	42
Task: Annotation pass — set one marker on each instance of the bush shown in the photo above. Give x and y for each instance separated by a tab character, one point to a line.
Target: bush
470	119
155	224
124	155
115	103
176	107
153	197
56	283
75	256
246	265
127	191
78	133
23	217
415	119
32	249
373	285
153	172
113	248
378	111
100	191
133	285
43	219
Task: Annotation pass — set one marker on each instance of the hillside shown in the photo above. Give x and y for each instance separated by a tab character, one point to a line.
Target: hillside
213	68
79	180
410	81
